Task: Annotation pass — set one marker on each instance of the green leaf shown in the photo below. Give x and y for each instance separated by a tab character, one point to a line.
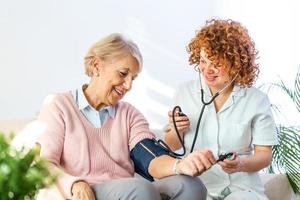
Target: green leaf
22	172
297	91
287	90
285	158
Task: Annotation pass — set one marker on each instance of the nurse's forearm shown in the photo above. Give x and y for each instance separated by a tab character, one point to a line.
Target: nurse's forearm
261	159
172	139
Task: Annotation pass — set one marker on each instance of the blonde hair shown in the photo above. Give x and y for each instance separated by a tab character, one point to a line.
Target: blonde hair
112	47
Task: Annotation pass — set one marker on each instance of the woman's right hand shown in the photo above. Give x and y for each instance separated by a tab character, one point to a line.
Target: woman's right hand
182	122
82	191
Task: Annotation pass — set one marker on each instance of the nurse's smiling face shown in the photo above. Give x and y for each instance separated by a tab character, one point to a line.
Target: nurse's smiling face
216	77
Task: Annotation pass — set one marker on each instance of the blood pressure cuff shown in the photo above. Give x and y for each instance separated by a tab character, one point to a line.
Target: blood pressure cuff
143	153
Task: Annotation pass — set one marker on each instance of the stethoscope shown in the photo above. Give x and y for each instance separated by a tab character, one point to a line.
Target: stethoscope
177	109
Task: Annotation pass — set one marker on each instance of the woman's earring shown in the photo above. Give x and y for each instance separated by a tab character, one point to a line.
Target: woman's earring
96	74
196	68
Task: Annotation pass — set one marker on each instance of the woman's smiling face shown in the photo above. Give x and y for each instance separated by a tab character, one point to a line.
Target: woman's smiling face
115	79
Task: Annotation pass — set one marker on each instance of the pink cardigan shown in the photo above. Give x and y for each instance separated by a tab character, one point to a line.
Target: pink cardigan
84	152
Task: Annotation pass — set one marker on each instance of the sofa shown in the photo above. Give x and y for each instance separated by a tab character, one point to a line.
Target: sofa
276	186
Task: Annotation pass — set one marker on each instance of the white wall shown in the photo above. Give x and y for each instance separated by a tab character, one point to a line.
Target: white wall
43	42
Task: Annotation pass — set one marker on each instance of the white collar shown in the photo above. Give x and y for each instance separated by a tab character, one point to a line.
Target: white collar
83	103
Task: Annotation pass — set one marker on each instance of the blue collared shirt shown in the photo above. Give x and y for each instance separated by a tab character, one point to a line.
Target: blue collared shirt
96	117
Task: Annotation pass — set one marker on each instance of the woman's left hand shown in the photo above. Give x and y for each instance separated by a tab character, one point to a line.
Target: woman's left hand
232	166
82	191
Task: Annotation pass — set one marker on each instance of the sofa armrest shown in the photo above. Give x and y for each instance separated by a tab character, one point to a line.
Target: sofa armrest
13	125
50	193
277	187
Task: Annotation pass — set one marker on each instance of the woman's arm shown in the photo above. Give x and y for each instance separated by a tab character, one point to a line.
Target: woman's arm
51	124
192	165
261	159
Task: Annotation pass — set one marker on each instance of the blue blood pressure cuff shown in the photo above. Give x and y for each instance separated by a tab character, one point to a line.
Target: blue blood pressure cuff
143	153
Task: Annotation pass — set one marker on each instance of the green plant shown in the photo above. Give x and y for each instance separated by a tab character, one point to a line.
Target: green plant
286	155
22	172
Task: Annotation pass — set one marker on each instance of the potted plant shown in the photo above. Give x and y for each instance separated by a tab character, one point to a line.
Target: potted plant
286	155
22	171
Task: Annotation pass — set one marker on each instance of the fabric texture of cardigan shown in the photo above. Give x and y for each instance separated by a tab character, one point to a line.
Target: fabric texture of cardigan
70	142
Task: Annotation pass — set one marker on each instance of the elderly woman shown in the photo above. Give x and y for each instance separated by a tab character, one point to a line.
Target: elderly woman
100	142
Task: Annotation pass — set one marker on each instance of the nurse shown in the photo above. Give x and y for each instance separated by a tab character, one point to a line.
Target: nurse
239	120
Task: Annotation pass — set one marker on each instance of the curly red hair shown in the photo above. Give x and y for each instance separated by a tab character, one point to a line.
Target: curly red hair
227	44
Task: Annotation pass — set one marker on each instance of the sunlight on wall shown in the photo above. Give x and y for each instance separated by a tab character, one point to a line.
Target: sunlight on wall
152	98
151	94
43	44
275	33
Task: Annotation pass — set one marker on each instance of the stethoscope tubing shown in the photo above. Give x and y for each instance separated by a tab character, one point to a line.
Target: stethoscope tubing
201	114
205	103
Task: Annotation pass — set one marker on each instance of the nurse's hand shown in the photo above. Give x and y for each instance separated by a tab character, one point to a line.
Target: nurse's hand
232	166
170	136
82	191
196	162
182	122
